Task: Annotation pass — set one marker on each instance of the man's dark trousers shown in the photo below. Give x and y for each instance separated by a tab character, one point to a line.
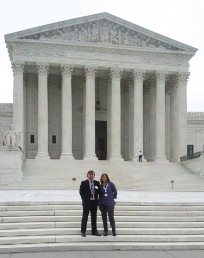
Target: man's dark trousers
92	207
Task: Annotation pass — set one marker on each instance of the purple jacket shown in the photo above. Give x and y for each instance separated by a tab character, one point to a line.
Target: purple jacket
111	193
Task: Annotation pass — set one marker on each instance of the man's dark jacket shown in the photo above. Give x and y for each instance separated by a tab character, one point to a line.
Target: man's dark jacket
85	191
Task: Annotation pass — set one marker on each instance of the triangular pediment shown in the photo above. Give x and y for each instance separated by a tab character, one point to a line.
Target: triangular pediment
103	29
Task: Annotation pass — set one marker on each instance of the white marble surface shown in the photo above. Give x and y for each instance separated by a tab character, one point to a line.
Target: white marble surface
123	196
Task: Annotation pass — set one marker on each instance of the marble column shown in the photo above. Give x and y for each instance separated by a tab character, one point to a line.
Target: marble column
109	89
173	121
66	71
89	113
152	119
160	118
167	127
138	115
182	114
18	101
42	111
146	125
115	109
131	118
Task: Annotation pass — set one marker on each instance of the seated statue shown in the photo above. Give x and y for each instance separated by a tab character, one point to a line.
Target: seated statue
11	138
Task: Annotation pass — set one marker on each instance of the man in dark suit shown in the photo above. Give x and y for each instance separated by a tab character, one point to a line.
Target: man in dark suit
89	191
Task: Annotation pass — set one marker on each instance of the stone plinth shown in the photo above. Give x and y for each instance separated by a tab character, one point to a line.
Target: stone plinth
11	165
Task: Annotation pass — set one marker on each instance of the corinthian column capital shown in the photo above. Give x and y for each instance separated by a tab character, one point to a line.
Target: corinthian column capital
90	71
161	76
42	68
183	77
116	72
67	70
18	67
138	75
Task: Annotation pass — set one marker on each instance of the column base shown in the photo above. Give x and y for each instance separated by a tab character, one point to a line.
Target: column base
66	156
161	160
115	157
42	155
90	157
175	160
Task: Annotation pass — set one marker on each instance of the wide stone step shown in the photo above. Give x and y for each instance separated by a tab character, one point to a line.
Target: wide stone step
90	241
97	246
123	224
117	213
120	207
117	218
121	231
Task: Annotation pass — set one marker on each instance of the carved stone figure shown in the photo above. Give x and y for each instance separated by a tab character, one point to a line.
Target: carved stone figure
83	34
73	35
126	40
105	33
94	34
11	138
114	36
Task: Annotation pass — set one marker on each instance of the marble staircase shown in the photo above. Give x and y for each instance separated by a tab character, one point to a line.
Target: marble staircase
55	226
145	176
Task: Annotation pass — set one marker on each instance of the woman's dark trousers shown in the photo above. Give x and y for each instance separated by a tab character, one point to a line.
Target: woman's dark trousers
108	210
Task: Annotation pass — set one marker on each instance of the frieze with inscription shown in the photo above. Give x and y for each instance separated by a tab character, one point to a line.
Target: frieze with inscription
104	32
35	50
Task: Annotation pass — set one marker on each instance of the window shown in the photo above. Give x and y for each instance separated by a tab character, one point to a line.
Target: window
54	140
32	138
189	150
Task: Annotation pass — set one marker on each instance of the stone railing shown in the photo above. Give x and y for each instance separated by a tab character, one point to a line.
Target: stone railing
191	156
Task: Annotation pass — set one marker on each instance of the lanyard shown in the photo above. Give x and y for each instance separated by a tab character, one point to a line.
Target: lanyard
105	188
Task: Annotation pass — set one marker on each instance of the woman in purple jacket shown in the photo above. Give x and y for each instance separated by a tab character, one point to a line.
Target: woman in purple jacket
107	203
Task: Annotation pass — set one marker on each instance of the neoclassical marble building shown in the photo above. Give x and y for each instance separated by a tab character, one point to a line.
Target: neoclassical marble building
99	87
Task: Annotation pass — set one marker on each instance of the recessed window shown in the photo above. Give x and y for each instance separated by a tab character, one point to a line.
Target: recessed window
54	140
190	150
32	138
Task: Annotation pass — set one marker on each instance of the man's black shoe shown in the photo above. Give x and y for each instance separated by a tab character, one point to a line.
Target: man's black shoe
105	233
96	234
83	234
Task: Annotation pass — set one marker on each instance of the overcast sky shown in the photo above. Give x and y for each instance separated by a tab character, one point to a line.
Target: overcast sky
181	20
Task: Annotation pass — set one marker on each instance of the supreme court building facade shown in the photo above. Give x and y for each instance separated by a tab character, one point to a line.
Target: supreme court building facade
99	87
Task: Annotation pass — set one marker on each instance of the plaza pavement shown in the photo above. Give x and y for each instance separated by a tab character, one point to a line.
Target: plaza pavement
112	254
123	196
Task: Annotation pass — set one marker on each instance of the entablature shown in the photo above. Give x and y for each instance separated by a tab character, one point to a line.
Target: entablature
98	56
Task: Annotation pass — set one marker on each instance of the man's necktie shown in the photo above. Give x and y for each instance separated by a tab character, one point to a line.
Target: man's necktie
92	190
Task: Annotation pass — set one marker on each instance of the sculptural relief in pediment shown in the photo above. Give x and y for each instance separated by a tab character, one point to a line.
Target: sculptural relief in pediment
104	32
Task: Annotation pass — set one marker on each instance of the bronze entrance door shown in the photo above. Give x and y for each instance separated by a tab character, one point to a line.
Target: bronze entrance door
101	139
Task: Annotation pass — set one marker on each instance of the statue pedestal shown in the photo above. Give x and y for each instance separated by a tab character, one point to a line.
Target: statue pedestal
11	165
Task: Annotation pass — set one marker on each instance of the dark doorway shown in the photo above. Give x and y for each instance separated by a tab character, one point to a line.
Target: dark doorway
101	139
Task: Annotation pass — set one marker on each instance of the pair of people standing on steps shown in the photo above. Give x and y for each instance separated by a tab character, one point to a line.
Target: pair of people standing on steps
93	194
